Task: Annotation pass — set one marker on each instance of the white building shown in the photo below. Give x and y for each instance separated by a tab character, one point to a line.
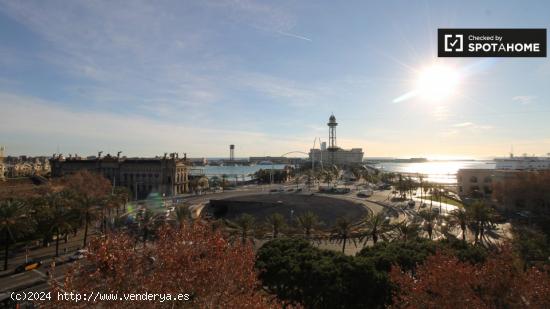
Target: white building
334	154
338	156
522	163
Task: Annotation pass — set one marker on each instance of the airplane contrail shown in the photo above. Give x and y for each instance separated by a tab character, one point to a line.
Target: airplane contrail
294	36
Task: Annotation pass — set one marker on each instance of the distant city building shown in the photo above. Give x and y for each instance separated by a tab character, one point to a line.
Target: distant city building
198	161
334	154
166	175
25	166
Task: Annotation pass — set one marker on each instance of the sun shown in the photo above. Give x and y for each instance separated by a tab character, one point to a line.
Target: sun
437	83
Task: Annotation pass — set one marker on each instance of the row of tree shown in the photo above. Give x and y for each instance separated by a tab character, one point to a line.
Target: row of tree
60	208
476	219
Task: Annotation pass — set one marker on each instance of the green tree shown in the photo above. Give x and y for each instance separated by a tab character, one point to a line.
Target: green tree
276	223
376	226
481	216
406	230
244	225
459	217
299	273
343	231
429	218
13	221
61	220
307	221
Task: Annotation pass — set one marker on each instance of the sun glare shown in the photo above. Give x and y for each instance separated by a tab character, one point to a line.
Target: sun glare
437	82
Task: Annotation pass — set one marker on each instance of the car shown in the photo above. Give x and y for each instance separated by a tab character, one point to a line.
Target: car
29	265
365	193
78	255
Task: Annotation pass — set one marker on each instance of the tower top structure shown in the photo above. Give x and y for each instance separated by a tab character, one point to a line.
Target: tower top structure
332	133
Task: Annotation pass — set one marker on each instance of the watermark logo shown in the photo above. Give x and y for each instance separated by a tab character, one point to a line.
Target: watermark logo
454	42
491	42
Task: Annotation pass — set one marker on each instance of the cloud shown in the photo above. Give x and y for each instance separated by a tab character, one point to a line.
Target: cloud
48	124
463	124
471	125
524	99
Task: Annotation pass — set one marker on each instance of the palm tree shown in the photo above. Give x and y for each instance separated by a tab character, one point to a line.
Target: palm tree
12	221
307	222
122	195
245	225
481	217
459	217
276	222
421	183
62	222
406	230
328	177
429	217
183	214
342	231
224	181
376	226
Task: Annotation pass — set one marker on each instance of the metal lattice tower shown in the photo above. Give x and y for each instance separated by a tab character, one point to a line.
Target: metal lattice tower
332	147
332	133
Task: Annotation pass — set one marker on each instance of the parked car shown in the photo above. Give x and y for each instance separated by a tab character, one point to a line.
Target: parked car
29	265
365	193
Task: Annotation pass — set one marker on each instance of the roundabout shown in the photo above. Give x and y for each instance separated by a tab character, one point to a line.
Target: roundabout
290	205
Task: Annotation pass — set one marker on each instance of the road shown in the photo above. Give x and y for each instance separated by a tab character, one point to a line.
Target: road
33	278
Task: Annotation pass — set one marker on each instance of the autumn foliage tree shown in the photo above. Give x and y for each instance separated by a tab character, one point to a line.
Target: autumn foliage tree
90	192
192	259
443	281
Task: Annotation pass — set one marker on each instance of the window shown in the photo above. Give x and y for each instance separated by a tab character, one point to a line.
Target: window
473	179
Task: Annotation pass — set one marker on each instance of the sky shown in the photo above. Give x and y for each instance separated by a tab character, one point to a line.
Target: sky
148	77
